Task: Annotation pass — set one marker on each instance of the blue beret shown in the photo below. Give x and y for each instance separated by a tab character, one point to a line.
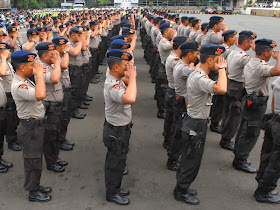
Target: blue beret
248	34
32	25
195	21
211	49
184	18
2	33
8	24
266	42
127	25
191	46
85	28
76	29
40	29
119	54
62	26
216	19
229	32
180	39
59	40
92	23
191	19
45	46
177	19
11	29
4	46
119	44
23	56
127	31
15	24
165	25
47	28
117	37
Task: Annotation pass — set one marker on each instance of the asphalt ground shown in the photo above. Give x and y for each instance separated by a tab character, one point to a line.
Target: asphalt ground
82	186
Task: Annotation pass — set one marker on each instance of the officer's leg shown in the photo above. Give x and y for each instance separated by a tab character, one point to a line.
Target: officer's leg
2	130
32	171
217	113
168	121
51	143
12	123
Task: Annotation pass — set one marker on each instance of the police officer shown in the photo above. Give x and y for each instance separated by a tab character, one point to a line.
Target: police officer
236	61
187	30
75	68
196	25
164	48
171	61
202	32
63	48
4	165
183	68
13	39
53	104
229	37
269	169
118	121
200	89
256	76
183	25
32	40
31	112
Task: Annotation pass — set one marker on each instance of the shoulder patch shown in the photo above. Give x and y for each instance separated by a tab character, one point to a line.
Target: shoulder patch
176	59
117	86
205	76
23	86
45	70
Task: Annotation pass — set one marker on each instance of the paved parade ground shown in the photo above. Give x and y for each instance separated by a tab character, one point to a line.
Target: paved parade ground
81	186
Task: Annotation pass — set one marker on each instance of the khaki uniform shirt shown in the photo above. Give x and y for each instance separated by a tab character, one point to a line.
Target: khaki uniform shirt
75	60
212	37
65	78
193	34
186	31
200	92
181	73
33	50
171	62
164	49
23	92
3	99
236	60
276	93
256	75
116	112
8	79
199	37
54	92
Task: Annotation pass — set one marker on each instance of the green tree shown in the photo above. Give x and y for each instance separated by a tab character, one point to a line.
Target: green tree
164	3
151	4
104	2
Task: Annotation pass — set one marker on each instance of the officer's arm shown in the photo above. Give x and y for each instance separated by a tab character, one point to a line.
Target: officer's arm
75	51
65	61
3	66
221	86
29	46
40	88
216	39
129	96
13	42
275	71
133	42
56	72
62	33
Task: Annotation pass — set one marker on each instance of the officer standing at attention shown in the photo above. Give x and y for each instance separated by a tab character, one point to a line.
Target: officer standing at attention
31	112
200	89
32	40
171	61
4	165
229	40
7	74
118	121
53	104
269	169
256	75
63	48
236	61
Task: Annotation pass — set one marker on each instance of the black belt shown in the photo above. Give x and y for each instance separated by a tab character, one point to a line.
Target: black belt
36	121
113	126
52	103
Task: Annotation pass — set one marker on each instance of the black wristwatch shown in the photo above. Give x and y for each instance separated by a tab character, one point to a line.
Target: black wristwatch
65	52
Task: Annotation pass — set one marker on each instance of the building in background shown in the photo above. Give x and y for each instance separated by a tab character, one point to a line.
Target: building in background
126	3
5	4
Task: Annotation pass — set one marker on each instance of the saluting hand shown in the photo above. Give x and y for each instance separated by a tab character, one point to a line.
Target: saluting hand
38	68
130	71
55	57
5	54
276	54
221	62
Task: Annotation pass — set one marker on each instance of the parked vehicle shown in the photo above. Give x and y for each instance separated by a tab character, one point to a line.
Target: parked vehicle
227	10
209	11
219	10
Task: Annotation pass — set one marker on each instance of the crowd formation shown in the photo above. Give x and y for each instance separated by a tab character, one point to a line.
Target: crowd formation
198	78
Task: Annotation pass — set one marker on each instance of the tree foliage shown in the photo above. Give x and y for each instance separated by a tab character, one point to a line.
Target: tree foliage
35	4
104	2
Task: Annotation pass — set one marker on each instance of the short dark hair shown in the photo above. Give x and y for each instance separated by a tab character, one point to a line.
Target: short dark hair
212	23
243	38
203	58
185	52
226	38
260	49
203	27
163	30
42	52
113	61
16	65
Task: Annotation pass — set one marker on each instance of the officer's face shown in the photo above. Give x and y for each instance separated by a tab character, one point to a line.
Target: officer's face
122	67
27	68
268	54
194	56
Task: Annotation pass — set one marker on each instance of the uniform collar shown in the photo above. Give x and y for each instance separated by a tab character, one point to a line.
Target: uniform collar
198	69
110	76
19	77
